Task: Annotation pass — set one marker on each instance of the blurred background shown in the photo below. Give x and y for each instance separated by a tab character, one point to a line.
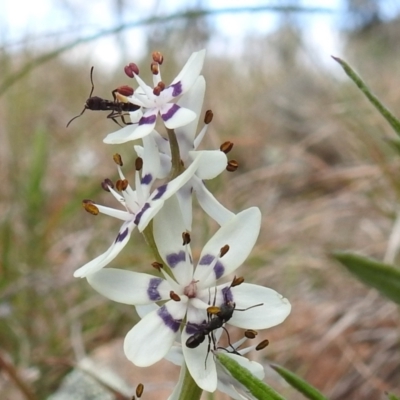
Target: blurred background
313	155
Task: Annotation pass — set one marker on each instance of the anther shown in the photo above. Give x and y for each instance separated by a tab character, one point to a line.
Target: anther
226	147
157	57
138	163
121	184
125	90
156	91
262	345
186	238
131	70
139	390
157	265
118	159
155	69
90	207
161	85
237	281
174	296
232	166
224	250
250	334
107	184
208	117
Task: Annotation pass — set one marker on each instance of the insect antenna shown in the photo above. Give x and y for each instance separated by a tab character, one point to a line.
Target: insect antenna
90	95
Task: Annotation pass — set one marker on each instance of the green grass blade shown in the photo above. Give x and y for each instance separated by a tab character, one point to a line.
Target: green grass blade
257	388
310	392
383	277
393	121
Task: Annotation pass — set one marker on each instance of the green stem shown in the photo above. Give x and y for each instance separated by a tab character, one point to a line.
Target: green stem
176	167
393	121
149	238
189	391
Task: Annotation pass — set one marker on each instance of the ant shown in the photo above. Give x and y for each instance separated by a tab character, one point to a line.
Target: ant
117	106
217	317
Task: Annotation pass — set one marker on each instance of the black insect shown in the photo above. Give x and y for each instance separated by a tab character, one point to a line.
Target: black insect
117	107
217	317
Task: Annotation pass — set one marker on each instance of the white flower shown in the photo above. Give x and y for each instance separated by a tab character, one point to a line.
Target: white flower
189	292
141	205
153	104
213	162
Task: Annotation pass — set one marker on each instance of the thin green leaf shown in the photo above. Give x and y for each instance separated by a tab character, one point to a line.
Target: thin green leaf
382	277
310	392
393	121
257	388
392	397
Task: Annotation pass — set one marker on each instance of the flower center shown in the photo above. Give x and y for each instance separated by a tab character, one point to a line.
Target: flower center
191	290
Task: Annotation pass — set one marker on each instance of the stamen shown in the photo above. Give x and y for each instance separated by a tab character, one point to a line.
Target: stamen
107	184
125	90
226	147
121	184
89	206
262	345
232	166
155	70
250	333
174	296
131	70
118	159
237	281
157	57
156	91
186	238
158	266
139	390
161	85
208	117
138	163
224	250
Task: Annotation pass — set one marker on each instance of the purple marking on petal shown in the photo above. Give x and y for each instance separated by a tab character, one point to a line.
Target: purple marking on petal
192	328
148	120
146	179
206	260
122	235
174	259
177	89
152	290
171	112
140	213
219	270
227	294
160	191
172	323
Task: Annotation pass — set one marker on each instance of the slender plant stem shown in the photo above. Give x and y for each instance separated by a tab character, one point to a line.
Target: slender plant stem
189	391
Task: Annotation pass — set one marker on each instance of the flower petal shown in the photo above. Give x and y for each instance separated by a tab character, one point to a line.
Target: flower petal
201	367
184	196
175	116
168	227
213	162
210	204
101	261
192	100
190	71
129	287
240	233
152	337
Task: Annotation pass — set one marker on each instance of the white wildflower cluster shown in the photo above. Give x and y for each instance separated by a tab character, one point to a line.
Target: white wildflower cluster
184	303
